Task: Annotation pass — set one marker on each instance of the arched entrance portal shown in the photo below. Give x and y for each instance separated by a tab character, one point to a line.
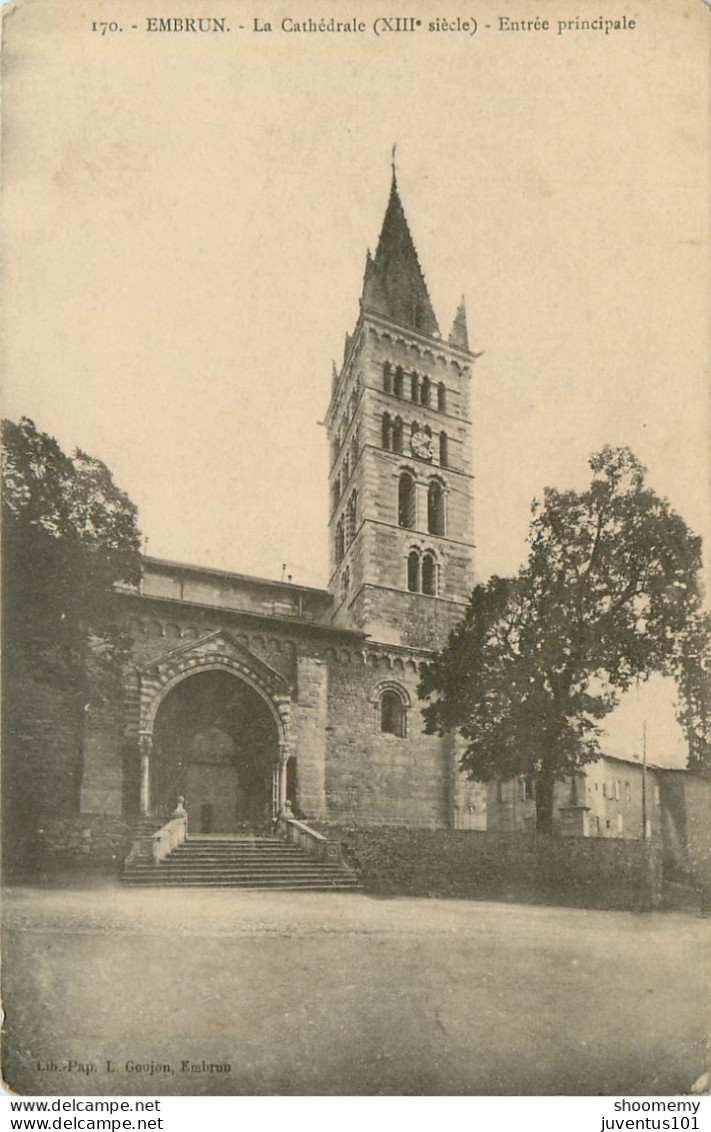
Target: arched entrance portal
216	742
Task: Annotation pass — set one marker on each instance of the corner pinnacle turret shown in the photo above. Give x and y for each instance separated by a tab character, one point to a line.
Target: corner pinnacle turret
459	335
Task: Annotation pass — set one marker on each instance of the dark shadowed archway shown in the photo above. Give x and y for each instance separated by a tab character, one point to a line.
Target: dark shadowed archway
216	742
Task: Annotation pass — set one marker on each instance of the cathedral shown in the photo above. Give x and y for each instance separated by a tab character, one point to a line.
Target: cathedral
247	694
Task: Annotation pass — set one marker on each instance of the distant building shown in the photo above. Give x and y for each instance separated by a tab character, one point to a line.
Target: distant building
618	798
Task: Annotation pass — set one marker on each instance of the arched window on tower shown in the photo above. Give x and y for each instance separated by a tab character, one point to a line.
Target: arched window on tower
429	575
442	397
351	515
354	450
346	469
414	388
398	382
406	509
386	434
340	546
387	377
397	434
335	449
392	714
345	581
443	450
425	391
413	572
435	508
335	492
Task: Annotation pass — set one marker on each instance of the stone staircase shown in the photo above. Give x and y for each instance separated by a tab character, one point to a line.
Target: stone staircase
241	862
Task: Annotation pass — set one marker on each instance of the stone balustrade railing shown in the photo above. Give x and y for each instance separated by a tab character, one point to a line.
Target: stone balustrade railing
315	844
168	838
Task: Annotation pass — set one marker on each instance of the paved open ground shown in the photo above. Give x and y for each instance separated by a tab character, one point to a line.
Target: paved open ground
345	994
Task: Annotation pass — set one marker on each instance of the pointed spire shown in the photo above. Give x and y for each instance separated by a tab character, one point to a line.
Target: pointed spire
394	285
458	335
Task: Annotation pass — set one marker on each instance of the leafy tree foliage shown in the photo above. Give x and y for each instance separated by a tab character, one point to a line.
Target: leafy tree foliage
69	536
609	595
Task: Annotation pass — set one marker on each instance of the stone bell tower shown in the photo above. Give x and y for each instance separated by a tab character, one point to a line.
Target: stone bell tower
401	517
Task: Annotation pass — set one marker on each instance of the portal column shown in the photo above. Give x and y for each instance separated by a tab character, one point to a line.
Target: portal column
145	743
284	753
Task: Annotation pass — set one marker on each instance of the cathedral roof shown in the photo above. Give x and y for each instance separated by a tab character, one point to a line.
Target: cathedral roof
394	285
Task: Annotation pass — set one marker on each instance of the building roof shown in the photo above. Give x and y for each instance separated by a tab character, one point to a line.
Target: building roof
394	285
171	566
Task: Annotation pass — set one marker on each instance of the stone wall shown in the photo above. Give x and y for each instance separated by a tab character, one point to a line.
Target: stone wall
347	768
377	777
81	844
515	867
686	811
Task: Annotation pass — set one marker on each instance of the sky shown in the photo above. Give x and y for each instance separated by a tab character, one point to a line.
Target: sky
187	220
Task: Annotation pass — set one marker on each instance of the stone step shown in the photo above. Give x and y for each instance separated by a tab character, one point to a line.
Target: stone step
275	886
241	874
238	850
242	862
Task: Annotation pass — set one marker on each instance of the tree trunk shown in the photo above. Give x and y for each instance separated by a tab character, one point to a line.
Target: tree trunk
545	787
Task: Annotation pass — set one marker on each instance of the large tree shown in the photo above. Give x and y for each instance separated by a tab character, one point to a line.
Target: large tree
69	537
609	595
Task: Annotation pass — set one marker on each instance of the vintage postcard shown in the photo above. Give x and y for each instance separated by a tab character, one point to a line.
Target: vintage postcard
356	455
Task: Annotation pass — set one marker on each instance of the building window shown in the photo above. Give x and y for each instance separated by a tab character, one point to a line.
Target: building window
435	508
657	797
392	714
617	790
406	508
429	575
620	826
628	794
397	434
398	382
351	512
413	572
345	581
425	391
354	451
387	377
414	388
443	452
442	397
387	432
499	791
335	492
340	542
524	784
335	449
346	469
604	789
